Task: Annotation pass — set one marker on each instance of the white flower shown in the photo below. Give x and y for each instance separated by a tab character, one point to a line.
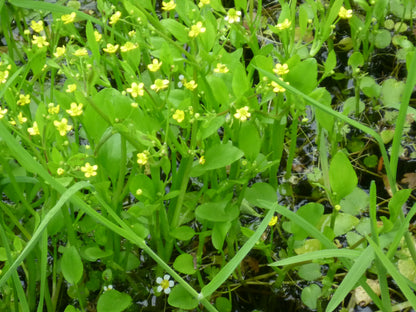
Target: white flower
165	284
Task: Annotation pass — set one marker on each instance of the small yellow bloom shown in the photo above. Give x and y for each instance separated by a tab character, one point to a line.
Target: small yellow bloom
128	46
136	89
97	36
89	171
71	88
21	118
179	115
60	51
139	192
115	17
52	109
168	6
81	52
196	30
34	130
280	69
37	26
132	33
203	2
286	24
23	99
155	66
3	112
276	87
242	113
233	16
160	84
344	13
3	76
273	221
75	110
201	160
62	126
68	18
142	158
40	41
60	171
221	68
111	48
191	85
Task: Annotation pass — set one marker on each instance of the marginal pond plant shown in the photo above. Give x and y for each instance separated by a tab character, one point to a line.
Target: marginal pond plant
177	155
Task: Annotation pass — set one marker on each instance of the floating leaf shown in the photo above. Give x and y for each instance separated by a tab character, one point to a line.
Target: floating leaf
113	301
184	263
180	298
310	295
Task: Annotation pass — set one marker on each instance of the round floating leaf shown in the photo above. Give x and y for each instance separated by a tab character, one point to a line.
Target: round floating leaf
184	263
310	271
180	298
263	191
95	252
183	233
217	211
355	202
113	301
310	296
71	265
223	304
382	39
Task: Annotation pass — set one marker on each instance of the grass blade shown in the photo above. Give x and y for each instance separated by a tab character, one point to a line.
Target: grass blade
320	254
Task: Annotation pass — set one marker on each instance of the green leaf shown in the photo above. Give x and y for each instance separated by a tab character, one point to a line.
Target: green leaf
113	301
356	60
391	93
218	156
177	29
261	191
71	265
219	232
180	298
370	87
223	304
109	155
312	213
303	75
183	233
343	223
249	140
396	203
94	253
217	211
184	263
382	39
240	82
310	295
342	176
310	271
355	202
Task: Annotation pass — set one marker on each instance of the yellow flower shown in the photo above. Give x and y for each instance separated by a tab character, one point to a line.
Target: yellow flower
21	118
68	18
139	192
179	115
221	68
280	69
132	33
191	85
155	66
3	112
242	113
62	126
286	24
273	221
136	89
60	171
142	158
344	13
111	48
201	160
3	76
52	109
97	36
203	2
75	110
128	46
81	52
71	88
34	130
160	84
233	16
115	17
89	171
37	26
23	99
276	87
196	30
60	51
168	6
40	41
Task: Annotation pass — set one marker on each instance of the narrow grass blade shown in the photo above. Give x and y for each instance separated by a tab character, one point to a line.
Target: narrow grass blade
397	276
320	254
229	268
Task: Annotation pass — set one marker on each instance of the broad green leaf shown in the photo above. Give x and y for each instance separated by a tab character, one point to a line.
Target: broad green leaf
391	93
223	304
217	211
71	265
249	140
262	191
180	298
342	176
343	223
310	271
95	253
310	295
356	60
355	202
183	233
370	87
184	263
109	155
325	120
219	232
310	212
218	156
113	301
240	82
177	29
396	203
209	126
382	38
303	75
